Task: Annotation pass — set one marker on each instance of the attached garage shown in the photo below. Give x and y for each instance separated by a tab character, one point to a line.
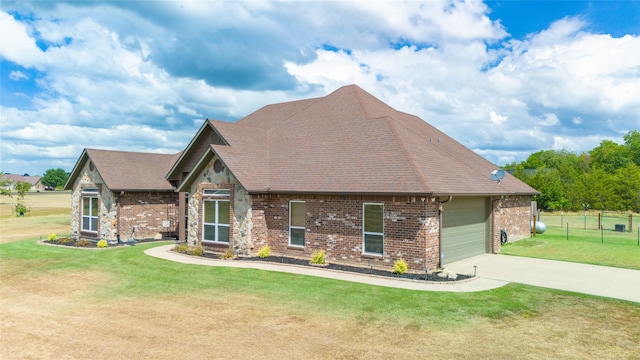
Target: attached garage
465	228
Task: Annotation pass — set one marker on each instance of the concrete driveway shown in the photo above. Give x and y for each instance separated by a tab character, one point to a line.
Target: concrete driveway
582	278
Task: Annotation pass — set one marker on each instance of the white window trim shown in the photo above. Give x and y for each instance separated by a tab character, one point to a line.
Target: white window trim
364	233
216	192
297	227
216	225
92	197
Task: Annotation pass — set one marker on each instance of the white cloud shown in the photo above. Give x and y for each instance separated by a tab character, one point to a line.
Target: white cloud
156	71
18	76
495	118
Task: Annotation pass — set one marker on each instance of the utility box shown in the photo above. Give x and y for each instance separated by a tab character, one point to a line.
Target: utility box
619	227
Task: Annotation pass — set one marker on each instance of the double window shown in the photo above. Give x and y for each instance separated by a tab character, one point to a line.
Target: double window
216	220
90	210
297	213
373	228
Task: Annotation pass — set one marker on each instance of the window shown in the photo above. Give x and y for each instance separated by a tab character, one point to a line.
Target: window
216	221
373	228
217	192
297	214
90	210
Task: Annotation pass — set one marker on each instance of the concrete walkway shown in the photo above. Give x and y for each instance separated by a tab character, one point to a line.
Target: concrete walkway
493	271
583	278
475	284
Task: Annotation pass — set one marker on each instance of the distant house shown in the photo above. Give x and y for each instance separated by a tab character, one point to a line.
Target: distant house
348	174
118	195
34	181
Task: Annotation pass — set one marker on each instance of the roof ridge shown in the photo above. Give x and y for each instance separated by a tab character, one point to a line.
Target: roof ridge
408	155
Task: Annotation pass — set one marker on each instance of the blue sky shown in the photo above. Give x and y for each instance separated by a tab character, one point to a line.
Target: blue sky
505	78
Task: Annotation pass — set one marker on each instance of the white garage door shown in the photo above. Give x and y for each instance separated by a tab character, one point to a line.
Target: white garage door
465	228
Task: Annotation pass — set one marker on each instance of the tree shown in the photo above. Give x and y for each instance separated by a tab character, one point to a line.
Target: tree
4	185
22	187
610	156
54	178
632	141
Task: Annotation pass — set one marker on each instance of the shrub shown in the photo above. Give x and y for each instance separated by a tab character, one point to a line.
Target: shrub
264	252
182	248
52	237
227	254
65	240
102	243
83	243
318	257
21	209
197	250
400	267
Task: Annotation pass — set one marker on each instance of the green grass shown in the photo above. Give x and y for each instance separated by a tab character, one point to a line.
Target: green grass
132	274
607	248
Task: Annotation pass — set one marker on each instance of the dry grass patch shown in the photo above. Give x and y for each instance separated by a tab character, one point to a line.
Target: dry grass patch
49	212
63	314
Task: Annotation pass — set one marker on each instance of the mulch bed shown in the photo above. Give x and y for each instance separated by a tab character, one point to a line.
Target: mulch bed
66	241
431	277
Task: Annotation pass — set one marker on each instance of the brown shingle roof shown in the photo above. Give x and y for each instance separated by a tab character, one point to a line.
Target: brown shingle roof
351	142
33	180
129	171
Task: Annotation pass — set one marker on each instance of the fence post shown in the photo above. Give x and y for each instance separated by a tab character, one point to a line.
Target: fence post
602	234
534	226
599	221
567	230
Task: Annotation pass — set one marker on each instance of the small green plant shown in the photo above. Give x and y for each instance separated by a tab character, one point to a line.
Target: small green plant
181	248
102	243
197	250
21	209
400	267
264	252
227	254
83	243
318	257
52	237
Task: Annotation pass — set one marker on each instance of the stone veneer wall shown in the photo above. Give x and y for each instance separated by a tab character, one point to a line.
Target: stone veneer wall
512	214
107	210
146	211
334	224
241	208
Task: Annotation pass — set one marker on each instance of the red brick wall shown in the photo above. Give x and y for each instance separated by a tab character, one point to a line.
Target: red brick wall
146	211
334	224
512	214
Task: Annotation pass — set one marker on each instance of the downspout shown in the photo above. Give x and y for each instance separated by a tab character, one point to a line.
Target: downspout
440	210
493	224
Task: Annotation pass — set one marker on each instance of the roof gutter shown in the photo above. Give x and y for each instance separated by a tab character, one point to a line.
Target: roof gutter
440	210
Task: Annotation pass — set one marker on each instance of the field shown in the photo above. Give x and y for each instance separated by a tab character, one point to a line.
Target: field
119	303
49	212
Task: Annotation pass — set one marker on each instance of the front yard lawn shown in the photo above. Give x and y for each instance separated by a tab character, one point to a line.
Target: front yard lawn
117	302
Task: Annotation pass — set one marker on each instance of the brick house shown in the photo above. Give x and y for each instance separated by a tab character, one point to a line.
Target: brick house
34	181
119	196
348	174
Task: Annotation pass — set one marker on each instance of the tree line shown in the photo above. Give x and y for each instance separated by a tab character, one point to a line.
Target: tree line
604	178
